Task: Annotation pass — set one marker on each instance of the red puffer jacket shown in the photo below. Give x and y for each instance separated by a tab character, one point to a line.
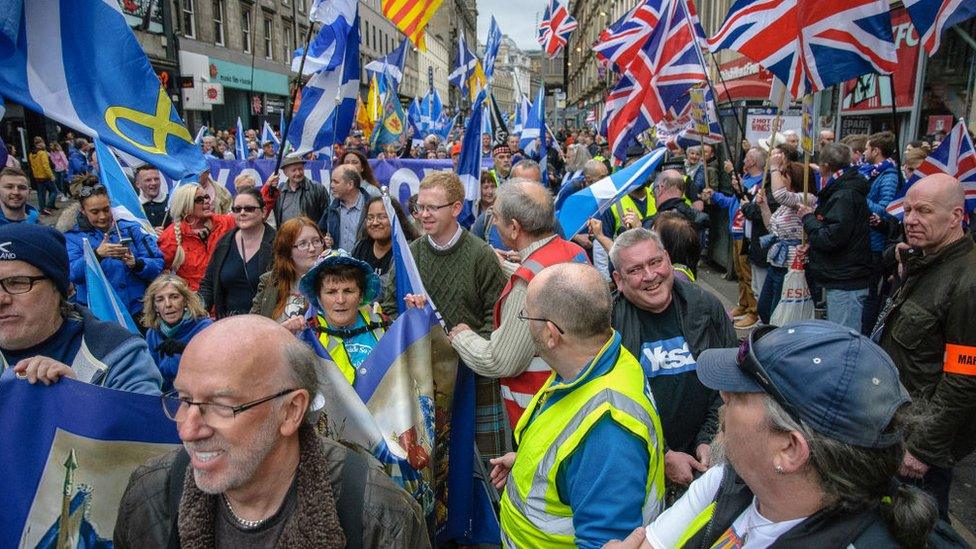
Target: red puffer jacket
197	252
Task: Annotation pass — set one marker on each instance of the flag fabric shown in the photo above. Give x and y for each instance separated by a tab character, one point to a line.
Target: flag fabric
3	146
110	432
103	302
469	164
491	48
616	100
200	133
811	45
374	101
956	156
413	118
325	51
521	114
468	74
240	144
78	63
619	44
595	199
390	65
328	103
932	17
499	130
554	29
696	24
390	125
658	80
363	120
411	17
534	128
122	195
267	134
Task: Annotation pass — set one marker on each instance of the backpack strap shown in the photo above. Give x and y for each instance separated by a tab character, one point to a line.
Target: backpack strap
349	504
174	492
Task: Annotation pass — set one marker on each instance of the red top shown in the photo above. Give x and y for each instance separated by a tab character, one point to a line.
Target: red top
197	252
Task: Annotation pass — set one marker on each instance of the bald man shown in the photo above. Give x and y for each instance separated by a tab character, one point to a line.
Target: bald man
928	329
523	217
592	430
254	472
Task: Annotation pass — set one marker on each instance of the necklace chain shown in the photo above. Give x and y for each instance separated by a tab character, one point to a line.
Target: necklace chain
249	524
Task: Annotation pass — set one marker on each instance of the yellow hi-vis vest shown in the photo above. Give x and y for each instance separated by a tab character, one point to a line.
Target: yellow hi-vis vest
532	515
334	345
626	204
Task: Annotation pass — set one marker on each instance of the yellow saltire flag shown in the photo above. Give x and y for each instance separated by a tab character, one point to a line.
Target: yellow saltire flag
374	103
476	81
362	118
411	17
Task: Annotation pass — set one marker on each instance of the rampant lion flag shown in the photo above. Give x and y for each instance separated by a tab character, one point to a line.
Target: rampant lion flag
411	17
390	125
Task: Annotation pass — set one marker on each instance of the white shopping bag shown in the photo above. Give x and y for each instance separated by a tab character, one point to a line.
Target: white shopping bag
795	302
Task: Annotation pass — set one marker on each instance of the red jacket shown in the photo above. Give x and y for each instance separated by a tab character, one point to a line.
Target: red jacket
197	252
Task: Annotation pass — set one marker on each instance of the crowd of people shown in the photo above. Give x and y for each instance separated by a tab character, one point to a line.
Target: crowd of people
616	397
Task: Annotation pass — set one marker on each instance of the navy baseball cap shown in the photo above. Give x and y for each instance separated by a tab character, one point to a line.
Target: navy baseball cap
838	382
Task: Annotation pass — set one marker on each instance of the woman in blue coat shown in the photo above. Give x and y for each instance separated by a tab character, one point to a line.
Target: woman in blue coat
173	315
128	255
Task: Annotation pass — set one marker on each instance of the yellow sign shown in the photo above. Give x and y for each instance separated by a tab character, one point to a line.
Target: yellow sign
698	112
160	124
806	140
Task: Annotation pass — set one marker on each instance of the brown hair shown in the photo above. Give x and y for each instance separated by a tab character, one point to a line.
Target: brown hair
884	141
367	174
914	157
283	268
341	273
794	170
449	181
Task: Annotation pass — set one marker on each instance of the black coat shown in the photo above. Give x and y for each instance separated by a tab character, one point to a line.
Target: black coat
211	291
840	250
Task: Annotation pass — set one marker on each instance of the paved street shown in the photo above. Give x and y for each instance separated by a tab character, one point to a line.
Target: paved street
963	493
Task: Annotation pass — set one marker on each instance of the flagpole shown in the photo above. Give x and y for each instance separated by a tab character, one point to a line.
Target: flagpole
721	78
894	128
294	93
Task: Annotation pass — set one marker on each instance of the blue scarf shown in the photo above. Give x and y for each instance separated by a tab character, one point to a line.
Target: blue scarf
871	171
167	330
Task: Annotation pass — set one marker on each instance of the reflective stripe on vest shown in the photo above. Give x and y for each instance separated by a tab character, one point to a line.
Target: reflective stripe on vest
532	515
627	203
702	519
518	390
684	269
334	345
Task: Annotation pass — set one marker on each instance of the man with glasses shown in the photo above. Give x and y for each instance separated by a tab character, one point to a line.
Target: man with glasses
43	337
462	276
667	323
589	465
344	219
296	196
253	472
812	436
14	191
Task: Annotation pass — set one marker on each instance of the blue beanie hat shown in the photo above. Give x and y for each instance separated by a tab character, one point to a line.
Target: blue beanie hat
39	245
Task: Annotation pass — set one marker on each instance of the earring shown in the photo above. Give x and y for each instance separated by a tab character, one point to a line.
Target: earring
778	469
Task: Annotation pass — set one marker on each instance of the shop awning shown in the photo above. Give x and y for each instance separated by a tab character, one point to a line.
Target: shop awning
742	89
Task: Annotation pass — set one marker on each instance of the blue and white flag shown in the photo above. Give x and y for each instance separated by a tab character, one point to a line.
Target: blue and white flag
78	63
390	65
122	195
3	146
73	445
267	134
240	143
595	199
522	108
491	48
405	272
325	52
328	105
534	129
200	133
413	118
469	165
103	302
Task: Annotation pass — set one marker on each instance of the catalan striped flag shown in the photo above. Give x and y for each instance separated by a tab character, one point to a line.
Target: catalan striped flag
411	17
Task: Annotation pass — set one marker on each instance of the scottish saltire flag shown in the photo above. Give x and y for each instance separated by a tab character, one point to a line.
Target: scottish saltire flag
73	446
956	156
554	29
619	44
122	195
533	131
811	45
103	302
469	164
390	65
405	272
200	133
933	17
77	62
240	144
486	120
328	106
3	146
522	109
595	199
491	48
468	74
444	132
325	51
267	134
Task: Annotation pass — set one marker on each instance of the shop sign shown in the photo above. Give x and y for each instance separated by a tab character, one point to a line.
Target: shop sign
759	123
213	94
850	125
871	93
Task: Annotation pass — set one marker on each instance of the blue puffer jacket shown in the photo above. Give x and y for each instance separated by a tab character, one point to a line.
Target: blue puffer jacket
129	283
168	357
77	163
32	216
883	191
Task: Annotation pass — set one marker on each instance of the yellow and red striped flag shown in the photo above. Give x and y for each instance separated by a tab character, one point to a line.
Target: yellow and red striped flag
411	17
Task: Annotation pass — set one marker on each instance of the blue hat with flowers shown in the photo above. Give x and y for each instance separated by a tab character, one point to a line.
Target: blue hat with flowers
309	287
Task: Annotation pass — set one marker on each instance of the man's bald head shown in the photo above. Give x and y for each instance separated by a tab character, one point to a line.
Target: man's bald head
594	170
575	297
934	211
527	202
940	188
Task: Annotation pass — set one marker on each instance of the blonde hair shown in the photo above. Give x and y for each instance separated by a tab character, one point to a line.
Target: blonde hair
150	318
181	206
239	182
449	181
914	157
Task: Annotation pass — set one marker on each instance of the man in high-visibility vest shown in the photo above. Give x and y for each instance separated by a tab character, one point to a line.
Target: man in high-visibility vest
589	466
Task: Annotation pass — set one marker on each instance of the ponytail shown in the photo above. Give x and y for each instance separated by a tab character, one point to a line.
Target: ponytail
180	255
909	513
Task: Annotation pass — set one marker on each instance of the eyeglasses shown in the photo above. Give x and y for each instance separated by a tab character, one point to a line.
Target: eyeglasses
750	365
521	316
425	208
202	199
87	191
14	285
381	218
248	209
306	245
176	407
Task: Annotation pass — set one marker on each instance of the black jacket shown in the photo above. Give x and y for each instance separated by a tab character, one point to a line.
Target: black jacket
697	218
329	222
840	250
211	291
312	200
753	212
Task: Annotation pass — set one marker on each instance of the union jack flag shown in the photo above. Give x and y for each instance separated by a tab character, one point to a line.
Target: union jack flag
811	45
956	157
619	44
932	17
555	28
616	99
658	79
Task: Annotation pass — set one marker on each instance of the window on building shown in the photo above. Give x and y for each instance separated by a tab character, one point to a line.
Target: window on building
366	34
246	27
189	24
268	33
218	17
286	39
375	43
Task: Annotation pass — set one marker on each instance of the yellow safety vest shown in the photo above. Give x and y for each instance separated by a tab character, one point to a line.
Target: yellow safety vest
334	345
532	514
626	204
684	269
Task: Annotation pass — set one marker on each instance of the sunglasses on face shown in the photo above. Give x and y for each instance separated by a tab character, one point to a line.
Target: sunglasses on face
202	199
248	209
